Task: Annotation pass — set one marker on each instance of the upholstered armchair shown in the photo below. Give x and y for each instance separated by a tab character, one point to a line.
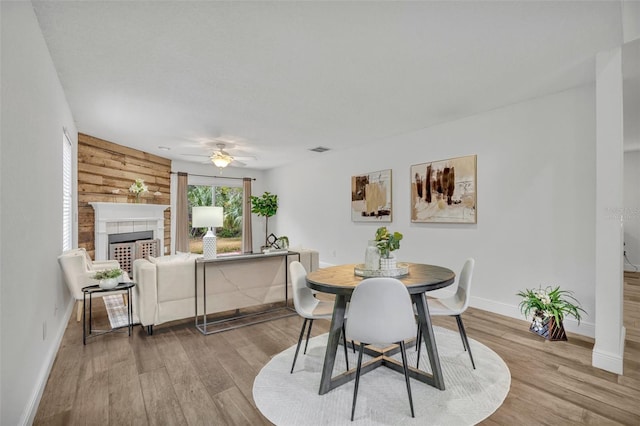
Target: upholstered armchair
78	270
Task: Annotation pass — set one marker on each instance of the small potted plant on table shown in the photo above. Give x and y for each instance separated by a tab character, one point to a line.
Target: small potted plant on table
387	242
549	306
108	278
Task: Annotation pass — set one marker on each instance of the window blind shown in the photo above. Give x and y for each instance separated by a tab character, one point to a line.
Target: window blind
67	210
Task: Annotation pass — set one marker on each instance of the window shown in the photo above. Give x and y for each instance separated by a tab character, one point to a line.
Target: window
229	236
67	210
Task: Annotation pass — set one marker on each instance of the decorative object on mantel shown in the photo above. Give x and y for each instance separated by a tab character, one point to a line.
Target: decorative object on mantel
549	307
208	217
267	206
137	188
108	279
386	243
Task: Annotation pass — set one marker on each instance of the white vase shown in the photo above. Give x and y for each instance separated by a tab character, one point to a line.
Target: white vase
388	262
108	283
372	257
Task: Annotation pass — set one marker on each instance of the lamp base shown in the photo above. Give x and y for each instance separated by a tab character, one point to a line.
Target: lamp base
209	250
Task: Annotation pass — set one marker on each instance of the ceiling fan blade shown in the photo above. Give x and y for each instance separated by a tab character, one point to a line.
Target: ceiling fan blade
195	155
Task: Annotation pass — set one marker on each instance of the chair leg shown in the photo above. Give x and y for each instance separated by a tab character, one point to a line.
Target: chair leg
406	374
465	341
304	325
308	334
79	314
344	343
419	344
355	389
418	333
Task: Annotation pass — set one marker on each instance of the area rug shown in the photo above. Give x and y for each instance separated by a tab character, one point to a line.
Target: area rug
470	396
117	311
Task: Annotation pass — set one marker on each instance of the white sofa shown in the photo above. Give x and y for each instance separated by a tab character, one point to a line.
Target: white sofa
165	286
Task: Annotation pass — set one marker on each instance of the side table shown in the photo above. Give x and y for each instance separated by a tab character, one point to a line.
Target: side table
96	289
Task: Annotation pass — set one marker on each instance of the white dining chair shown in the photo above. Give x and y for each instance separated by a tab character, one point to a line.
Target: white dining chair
380	313
309	308
454	306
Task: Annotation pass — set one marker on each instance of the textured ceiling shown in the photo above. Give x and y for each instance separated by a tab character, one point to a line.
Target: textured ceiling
278	78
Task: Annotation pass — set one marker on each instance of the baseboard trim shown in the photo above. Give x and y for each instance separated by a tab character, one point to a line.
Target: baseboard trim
30	411
609	361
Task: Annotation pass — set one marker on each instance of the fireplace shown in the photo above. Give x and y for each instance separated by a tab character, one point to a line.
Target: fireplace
125	247
126	218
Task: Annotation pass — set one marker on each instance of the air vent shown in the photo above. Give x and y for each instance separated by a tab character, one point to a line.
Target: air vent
319	149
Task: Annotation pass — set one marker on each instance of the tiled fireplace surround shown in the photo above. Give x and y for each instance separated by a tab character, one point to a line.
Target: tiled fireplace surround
116	218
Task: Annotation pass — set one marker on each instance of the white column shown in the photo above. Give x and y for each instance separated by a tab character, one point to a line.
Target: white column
608	351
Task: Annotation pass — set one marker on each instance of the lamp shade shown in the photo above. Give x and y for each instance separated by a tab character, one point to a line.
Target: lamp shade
221	160
206	217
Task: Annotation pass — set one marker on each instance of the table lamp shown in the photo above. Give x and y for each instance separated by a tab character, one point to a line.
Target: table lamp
207	217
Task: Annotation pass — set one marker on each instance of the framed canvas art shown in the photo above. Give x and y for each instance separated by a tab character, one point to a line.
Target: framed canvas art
371	197
444	191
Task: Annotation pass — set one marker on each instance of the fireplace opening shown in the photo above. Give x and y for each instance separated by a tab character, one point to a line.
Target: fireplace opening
127	246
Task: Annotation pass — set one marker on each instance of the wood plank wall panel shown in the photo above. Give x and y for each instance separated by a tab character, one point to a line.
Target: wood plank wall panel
106	171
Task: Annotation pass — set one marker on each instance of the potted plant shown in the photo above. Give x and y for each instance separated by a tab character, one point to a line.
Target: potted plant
549	306
137	188
267	206
387	242
108	278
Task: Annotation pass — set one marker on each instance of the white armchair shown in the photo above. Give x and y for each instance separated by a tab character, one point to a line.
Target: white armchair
78	270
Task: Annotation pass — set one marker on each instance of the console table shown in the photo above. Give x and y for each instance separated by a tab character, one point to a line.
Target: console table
201	264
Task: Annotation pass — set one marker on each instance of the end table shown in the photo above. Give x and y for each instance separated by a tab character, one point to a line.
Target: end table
96	289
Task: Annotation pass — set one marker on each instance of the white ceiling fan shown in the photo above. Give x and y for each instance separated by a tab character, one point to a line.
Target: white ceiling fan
221	158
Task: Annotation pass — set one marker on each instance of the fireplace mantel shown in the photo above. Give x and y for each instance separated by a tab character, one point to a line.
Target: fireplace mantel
111	213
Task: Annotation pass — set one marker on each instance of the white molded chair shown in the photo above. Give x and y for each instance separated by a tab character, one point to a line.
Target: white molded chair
309	308
455	305
78	270
381	313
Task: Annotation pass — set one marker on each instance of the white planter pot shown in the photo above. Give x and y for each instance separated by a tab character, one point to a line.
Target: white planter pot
108	283
388	263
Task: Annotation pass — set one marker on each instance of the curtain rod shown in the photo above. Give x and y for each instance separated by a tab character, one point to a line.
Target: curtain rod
218	177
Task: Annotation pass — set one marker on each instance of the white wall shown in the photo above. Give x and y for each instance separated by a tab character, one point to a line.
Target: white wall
257	188
631	210
34	297
536	197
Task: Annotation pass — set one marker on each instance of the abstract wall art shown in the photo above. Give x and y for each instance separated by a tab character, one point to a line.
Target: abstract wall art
371	197
444	191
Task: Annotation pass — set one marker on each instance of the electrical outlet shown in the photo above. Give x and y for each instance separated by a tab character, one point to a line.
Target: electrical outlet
55	310
334	253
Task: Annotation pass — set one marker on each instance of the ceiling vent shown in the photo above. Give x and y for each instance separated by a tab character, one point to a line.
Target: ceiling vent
319	149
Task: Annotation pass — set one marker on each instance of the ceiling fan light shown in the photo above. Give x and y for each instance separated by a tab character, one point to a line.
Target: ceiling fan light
221	160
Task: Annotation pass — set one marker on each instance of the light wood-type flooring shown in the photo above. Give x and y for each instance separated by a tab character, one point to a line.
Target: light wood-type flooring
180	377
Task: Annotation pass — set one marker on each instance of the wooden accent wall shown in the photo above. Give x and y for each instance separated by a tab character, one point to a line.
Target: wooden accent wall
106	171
